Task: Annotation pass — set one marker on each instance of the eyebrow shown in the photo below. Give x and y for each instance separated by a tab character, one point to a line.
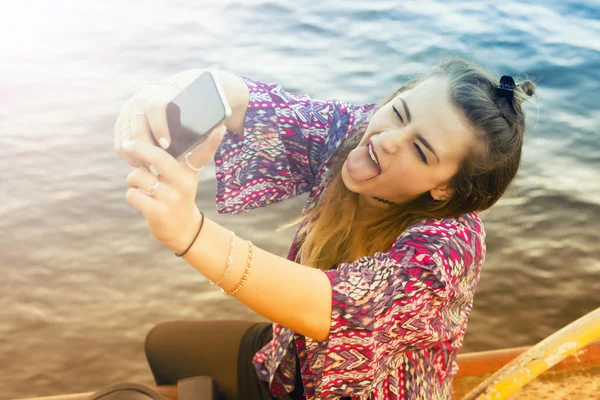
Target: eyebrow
406	110
426	143
421	138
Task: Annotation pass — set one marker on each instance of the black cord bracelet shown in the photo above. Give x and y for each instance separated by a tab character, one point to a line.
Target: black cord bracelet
197	233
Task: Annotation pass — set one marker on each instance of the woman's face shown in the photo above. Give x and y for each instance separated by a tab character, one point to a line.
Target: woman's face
419	140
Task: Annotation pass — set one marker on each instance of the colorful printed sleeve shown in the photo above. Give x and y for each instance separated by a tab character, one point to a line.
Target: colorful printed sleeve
285	141
392	303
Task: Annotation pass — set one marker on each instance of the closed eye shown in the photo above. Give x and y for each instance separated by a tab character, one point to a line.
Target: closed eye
417	147
398	114
420	153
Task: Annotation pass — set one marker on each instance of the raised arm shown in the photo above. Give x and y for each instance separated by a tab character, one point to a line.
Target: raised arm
287	139
276	142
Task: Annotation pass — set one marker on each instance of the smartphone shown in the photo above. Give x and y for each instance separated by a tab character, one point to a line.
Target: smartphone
194	112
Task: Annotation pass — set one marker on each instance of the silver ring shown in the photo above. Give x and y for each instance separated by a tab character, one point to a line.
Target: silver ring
152	190
137	113
190	165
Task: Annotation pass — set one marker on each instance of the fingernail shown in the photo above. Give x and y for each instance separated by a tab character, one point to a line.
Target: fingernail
127	144
164	143
154	170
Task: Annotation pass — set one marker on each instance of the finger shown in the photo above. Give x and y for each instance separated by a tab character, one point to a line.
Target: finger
143	179
123	134
156	114
205	152
147	205
140	130
159	159
120	132
119	123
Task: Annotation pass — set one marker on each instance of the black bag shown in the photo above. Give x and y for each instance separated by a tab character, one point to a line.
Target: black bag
194	388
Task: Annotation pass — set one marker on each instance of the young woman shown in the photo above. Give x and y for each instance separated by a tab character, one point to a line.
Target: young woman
373	299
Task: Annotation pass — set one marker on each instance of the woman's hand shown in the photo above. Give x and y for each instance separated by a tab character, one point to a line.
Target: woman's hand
144	117
168	201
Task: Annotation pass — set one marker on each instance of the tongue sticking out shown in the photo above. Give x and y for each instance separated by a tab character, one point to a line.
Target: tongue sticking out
360	166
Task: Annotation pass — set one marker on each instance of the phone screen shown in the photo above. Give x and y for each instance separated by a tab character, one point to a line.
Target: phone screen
194	112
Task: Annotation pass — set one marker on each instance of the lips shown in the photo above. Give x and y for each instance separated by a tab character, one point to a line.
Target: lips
372	147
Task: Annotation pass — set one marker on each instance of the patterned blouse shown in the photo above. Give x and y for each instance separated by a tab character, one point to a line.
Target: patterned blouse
398	317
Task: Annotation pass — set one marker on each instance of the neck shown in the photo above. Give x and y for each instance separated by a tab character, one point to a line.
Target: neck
367	207
370	203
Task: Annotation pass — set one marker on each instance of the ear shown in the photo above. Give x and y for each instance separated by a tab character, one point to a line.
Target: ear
443	191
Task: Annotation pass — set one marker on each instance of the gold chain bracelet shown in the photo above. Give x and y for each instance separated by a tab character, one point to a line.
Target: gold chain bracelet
246	272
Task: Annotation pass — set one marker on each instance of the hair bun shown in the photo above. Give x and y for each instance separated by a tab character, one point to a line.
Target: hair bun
528	87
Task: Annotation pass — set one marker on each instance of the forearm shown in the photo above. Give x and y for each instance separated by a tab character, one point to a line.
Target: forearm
235	89
293	295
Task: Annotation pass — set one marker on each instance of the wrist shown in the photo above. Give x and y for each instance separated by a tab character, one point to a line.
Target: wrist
189	235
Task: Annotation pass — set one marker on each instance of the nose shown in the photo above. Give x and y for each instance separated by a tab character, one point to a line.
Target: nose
390	140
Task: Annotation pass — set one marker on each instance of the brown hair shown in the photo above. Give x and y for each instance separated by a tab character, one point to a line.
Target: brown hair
330	235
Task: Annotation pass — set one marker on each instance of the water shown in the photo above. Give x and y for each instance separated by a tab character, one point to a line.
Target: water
82	279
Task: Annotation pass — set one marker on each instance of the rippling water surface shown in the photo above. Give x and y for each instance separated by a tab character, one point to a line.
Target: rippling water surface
82	279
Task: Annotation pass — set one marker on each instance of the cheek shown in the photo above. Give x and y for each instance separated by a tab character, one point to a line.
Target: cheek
406	175
376	125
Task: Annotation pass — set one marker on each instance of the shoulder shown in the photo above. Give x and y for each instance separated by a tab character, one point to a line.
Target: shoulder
436	232
447	241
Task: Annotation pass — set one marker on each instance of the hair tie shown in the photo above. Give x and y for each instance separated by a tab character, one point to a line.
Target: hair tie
506	88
